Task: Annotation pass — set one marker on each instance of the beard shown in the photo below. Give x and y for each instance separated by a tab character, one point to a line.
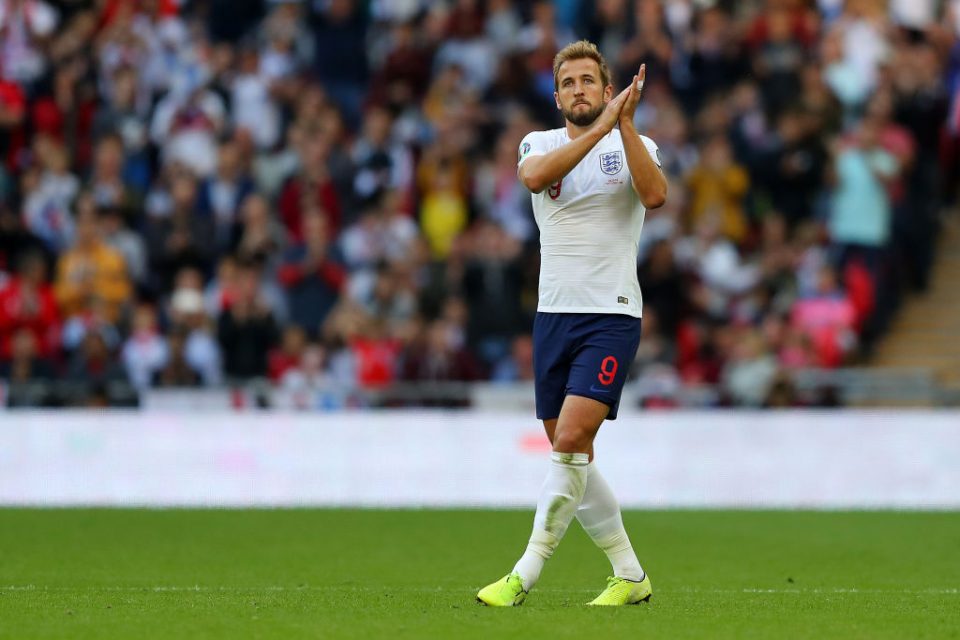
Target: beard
583	118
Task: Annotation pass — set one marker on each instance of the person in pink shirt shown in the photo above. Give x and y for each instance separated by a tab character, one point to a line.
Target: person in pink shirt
828	318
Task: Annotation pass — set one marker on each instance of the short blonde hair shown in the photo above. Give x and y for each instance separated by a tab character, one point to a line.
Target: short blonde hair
577	51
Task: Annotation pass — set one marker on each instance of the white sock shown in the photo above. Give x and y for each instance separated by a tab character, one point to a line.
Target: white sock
599	513
561	494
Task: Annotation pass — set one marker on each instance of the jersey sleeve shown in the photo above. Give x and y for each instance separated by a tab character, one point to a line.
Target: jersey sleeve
533	144
653	150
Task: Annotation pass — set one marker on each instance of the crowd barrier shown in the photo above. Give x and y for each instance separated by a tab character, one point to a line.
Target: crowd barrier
421	458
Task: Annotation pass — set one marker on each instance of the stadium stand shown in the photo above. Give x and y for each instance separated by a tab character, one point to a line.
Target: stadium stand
315	202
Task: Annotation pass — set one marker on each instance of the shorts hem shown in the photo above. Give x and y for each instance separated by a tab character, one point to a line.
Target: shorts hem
613	404
605	311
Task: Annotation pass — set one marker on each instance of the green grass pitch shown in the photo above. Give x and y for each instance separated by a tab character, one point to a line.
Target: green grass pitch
413	574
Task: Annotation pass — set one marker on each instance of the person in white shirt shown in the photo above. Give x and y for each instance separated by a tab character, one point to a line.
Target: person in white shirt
591	184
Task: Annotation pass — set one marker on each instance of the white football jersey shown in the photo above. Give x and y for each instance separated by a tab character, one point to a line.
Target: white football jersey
590	223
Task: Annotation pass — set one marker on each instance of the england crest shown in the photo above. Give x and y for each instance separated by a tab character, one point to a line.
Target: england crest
611	163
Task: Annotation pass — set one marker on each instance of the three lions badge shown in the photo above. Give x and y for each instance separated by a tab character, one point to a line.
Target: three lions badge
611	163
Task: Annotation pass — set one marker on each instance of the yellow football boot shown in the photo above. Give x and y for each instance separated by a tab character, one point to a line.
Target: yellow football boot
505	592
621	591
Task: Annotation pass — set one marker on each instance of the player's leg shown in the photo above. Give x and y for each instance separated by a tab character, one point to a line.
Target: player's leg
566	481
551	362
599	372
578	424
599	515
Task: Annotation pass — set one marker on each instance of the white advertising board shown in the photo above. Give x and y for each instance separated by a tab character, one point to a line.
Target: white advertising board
847	459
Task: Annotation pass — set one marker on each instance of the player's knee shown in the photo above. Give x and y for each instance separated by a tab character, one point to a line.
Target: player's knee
572	441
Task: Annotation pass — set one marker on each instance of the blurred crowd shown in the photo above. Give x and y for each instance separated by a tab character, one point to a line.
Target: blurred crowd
322	193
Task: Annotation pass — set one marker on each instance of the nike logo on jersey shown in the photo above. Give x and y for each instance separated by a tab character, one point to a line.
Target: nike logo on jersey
597	389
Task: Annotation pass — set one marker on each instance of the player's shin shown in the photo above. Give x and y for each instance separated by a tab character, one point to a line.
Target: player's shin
599	513
559	498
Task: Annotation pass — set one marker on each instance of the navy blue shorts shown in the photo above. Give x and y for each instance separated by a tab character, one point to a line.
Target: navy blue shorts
583	354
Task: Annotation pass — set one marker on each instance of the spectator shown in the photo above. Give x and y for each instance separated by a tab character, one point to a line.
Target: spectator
200	350
381	163
848	85
793	166
253	109
187	121
13	112
656	348
718	186
382	234
340	57
65	112
778	59
921	106
288	355
444	210
405	73
518	365
182	238
501	195
16	242
259	237
94	365
109	184
312	275
129	243
750	374
491	280
222	194
828	319
124	115
305	381
92	276
145	352
439	356
661	281
719	267
860	214
286	42
310	190
375	352
27	303
177	371
47	196
25	24
388	300
246	331
23	363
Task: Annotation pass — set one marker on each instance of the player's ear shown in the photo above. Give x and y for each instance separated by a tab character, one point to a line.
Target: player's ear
556	98
607	93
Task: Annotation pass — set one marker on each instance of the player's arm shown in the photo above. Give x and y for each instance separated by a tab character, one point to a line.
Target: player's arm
647	178
539	172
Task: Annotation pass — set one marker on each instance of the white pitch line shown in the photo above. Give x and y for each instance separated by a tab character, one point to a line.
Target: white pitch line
276	588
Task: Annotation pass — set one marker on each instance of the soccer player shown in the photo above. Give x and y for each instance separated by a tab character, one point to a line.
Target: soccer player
591	185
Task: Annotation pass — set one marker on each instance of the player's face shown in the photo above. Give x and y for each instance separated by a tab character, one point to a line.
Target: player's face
581	96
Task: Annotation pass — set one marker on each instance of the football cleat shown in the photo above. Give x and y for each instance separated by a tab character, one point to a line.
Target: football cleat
505	592
621	591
